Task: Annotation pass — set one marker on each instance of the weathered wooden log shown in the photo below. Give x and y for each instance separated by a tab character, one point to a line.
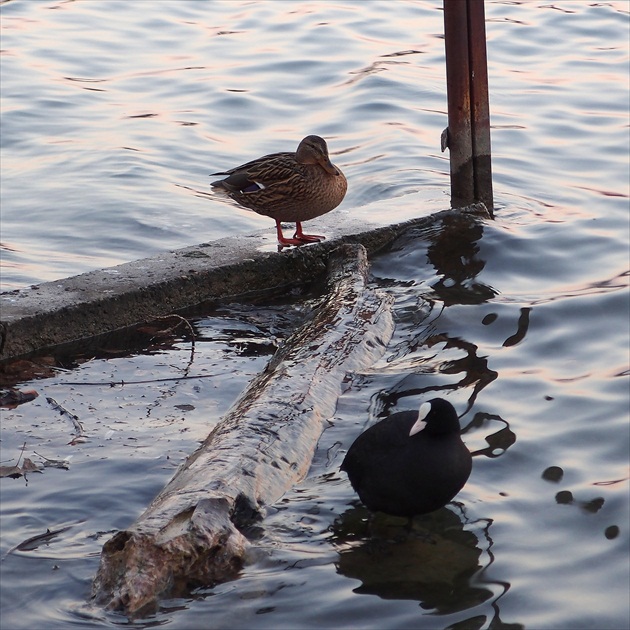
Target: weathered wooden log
191	534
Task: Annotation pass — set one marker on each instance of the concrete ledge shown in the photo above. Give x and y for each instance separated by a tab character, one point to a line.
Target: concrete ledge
98	302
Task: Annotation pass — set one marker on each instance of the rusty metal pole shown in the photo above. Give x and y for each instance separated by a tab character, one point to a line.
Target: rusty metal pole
459	140
480	103
468	133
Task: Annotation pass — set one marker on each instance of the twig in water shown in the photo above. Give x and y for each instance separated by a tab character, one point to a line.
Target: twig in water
191	330
21	453
78	427
54	463
145	381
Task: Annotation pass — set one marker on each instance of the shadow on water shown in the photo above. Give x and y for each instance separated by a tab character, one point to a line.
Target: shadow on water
436	560
430	561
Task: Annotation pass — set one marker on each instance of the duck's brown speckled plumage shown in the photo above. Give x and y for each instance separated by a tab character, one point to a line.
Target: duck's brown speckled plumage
287	186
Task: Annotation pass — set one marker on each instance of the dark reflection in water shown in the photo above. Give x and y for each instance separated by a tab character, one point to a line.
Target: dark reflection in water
442	560
565	497
453	251
454	254
475	370
521	329
498	442
436	562
432	562
553	474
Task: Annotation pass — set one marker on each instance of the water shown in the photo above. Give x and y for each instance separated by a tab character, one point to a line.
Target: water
113	114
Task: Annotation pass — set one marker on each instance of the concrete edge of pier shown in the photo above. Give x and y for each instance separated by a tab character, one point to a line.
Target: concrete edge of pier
41	317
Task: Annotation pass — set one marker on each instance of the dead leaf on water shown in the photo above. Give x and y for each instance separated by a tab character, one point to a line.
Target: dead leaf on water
17	471
11	398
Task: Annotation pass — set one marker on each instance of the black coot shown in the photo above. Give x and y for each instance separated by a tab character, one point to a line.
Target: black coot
411	463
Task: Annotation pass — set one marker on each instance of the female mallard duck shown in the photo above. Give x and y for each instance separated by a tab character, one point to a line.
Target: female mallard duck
291	187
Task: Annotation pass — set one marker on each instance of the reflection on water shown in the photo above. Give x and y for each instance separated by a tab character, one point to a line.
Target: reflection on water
522	326
432	563
499	441
454	253
437	563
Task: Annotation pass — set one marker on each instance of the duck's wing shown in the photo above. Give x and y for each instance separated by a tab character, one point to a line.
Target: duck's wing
259	174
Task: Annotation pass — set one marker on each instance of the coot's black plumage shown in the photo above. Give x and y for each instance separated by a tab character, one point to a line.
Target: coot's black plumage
411	463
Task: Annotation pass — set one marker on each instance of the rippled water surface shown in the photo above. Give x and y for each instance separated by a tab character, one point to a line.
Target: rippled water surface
113	115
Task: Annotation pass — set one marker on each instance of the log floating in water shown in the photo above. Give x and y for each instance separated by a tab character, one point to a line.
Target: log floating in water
191	534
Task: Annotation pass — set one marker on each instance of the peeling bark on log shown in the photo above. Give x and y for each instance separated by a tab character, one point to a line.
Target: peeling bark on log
191	534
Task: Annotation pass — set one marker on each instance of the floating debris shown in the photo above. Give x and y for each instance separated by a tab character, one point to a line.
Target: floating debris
78	427
54	463
19	471
11	398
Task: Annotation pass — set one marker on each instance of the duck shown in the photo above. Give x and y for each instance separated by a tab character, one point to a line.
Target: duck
288	187
411	463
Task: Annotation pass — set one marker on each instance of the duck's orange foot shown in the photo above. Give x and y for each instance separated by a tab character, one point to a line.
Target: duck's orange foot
299	238
306	238
287	242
